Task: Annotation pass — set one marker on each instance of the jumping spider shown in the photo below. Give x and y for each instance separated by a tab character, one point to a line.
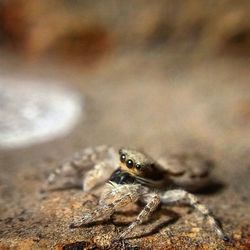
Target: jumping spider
138	178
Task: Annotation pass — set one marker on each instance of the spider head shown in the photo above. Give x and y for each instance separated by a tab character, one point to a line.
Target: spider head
139	164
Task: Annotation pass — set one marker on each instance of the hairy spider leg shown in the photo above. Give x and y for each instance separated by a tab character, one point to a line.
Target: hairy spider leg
117	197
86	169
154	201
182	195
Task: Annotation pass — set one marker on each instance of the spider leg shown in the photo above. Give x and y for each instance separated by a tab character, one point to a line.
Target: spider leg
85	169
101	213
182	195
153	202
116	196
99	174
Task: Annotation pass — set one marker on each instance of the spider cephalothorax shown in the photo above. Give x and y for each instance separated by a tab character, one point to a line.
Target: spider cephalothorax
137	167
138	177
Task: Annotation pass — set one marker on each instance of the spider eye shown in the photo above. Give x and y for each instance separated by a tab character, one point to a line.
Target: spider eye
138	166
129	163
123	158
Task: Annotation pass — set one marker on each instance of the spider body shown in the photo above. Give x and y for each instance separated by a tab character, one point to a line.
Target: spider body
138	177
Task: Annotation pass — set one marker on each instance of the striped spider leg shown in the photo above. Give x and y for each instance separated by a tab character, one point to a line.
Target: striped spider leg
114	197
86	170
182	196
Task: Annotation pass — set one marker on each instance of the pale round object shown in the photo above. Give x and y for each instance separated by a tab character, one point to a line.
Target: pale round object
32	111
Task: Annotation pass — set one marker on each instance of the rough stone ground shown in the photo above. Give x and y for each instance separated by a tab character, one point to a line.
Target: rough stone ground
146	101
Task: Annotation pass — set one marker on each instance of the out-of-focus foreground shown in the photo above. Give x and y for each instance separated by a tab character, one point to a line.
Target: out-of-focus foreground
165	76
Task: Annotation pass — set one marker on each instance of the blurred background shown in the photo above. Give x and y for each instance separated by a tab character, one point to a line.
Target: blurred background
129	50
165	76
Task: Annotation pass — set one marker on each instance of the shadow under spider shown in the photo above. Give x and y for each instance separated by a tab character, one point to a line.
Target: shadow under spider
157	214
214	186
172	218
